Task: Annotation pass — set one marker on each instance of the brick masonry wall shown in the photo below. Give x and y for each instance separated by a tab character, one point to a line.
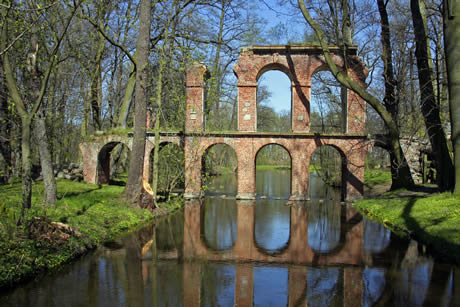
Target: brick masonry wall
299	64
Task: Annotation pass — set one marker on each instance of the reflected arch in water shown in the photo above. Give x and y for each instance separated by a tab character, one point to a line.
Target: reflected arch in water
272	226
171	172
219	223
273	157
324	225
113	160
219	159
328	166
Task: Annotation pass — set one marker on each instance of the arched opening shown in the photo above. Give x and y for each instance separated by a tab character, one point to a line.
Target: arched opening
113	164
327	165
273	188
219	165
328	104
377	171
273	172
171	171
274	102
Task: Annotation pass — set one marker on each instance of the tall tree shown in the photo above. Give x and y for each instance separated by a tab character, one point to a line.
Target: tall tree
401	177
134	190
429	106
451	16
28	105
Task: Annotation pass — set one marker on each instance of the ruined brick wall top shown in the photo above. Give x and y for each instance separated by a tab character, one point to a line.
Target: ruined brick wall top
298	62
196	75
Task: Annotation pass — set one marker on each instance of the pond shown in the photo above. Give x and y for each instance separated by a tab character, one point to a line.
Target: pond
219	251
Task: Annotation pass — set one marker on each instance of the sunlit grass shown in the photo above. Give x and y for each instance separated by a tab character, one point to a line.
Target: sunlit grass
377	176
434	220
95	211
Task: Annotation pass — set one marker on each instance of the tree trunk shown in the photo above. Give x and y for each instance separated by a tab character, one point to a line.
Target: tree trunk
451	14
5	131
429	107
45	159
26	167
134	188
403	177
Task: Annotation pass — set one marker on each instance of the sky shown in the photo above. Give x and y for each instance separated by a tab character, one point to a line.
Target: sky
284	27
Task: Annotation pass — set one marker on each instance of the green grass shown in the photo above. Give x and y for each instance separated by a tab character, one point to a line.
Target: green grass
433	220
95	211
377	176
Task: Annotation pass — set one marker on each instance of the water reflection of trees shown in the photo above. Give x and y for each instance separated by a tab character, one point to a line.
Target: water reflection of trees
271	286
272	225
324	225
324	287
376	237
219	221
217	284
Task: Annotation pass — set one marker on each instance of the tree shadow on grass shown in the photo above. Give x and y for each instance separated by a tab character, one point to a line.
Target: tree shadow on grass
76	194
441	248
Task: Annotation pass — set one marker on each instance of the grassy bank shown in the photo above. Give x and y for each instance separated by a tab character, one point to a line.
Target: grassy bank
84	216
433	220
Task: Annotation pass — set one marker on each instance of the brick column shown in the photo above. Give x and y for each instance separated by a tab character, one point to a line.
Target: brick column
356	113
301	107
353	172
247	109
192	283
244	244
192	229
193	166
244	284
194	113
89	152
352	287
299	174
246	171
297	285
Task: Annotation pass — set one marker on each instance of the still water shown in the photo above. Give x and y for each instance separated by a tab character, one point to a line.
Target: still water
267	252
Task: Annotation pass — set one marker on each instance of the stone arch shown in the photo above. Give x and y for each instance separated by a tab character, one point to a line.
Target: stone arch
344	160
231	188
103	160
177	163
274	66
274	113
285	147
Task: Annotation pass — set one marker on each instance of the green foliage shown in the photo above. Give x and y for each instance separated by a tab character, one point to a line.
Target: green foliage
94	211
432	220
377	176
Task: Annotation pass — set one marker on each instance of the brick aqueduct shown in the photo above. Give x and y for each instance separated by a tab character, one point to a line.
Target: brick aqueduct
299	63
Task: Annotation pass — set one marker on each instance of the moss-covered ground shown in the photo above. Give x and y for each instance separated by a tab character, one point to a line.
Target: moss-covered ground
431	218
95	212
